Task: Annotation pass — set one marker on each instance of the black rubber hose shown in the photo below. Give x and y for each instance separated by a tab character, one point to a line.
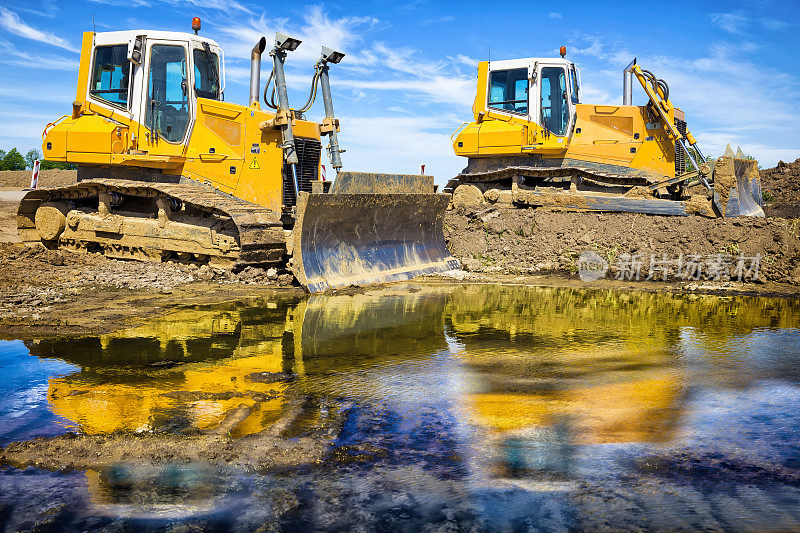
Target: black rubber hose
271	102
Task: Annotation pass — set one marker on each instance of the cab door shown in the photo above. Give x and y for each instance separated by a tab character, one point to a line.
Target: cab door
166	110
554	109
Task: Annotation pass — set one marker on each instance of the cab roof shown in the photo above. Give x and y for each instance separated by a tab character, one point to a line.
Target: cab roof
109	37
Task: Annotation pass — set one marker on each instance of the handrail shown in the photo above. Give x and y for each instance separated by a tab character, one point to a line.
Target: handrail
52	124
458	130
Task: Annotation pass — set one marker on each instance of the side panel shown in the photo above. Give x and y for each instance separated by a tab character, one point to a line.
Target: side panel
261	180
618	135
216	145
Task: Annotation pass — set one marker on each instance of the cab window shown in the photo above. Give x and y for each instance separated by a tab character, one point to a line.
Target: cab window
508	90
575	86
167	106
111	74
206	74
555	111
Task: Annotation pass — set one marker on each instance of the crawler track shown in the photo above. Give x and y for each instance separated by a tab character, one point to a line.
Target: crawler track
154	221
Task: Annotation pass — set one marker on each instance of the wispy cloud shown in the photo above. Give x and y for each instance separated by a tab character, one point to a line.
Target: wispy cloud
554	15
221	5
737	22
10	55
11	22
438	20
48	9
721	91
317	29
733	22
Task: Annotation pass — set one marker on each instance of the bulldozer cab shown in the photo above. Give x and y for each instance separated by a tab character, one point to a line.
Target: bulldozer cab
540	90
156	79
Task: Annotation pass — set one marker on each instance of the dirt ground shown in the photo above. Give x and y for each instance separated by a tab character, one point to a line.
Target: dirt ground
47	178
781	187
691	251
46	292
527	241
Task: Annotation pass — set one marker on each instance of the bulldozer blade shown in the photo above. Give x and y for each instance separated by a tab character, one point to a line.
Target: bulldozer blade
378	183
737	187
341	240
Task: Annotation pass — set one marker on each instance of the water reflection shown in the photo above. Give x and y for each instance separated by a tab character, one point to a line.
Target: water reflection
574	396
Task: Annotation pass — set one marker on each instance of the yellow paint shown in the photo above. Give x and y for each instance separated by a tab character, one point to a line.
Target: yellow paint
221	138
601	134
87	44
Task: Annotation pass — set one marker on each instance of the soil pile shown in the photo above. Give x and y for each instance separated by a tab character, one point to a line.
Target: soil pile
47	178
537	241
781	189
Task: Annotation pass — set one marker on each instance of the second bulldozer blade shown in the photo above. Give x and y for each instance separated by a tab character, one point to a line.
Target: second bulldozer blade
360	239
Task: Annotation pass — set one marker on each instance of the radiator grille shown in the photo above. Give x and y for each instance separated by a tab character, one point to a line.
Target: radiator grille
308	152
680	155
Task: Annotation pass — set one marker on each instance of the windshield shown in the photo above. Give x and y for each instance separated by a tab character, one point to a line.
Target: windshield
110	75
206	74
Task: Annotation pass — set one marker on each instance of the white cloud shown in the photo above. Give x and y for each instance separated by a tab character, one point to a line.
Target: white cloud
773	24
316	30
10	55
439	20
722	92
221	5
13	24
554	15
400	144
733	22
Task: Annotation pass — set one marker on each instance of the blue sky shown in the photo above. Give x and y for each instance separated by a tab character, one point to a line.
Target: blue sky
408	79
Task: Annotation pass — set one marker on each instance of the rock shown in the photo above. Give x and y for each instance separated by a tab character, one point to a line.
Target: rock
272	273
470	264
285	279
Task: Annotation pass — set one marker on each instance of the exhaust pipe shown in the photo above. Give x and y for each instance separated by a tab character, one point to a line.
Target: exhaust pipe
627	84
255	69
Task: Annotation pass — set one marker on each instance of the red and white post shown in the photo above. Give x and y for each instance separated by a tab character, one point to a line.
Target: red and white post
35	175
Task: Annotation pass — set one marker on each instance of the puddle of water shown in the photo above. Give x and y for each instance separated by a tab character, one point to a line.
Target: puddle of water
480	407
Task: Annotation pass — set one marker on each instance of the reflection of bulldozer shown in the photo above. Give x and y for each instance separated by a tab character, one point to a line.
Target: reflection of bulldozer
210	370
168	170
573	367
533	143
230	369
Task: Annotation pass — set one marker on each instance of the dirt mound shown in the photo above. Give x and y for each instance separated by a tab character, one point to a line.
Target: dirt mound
47	178
536	241
781	189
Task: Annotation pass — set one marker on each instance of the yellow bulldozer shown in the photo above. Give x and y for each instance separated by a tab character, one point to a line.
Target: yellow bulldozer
167	170
533	143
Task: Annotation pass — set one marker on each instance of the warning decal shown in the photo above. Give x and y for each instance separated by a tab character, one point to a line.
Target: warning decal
254	164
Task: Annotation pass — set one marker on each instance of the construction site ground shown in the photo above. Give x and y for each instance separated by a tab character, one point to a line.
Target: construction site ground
44	292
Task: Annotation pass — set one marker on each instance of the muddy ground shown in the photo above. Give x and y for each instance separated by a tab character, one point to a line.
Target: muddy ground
545	242
60	293
781	186
529	241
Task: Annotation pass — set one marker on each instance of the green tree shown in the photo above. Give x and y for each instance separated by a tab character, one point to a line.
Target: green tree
62	165
2	155
13	160
32	155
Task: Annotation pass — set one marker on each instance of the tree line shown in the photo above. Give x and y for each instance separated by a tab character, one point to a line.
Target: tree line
14	160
